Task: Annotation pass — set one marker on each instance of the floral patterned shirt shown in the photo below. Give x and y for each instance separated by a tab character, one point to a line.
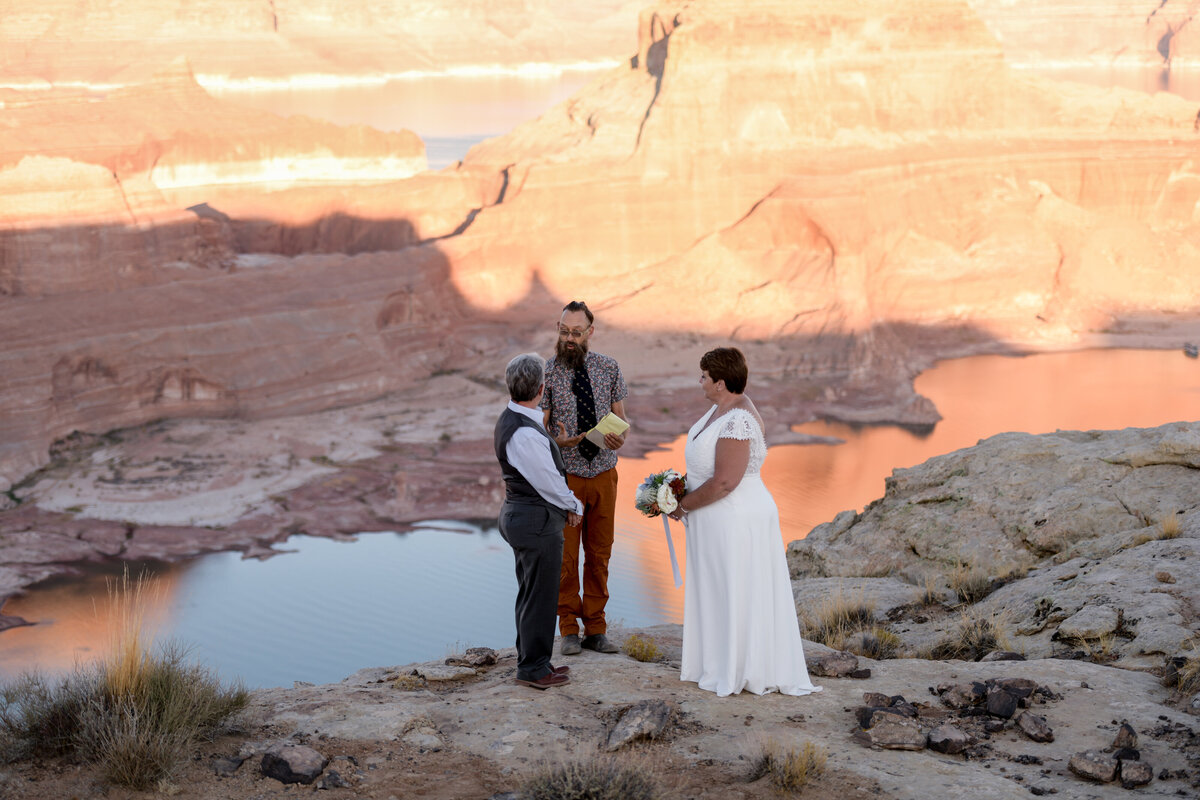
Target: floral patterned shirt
608	387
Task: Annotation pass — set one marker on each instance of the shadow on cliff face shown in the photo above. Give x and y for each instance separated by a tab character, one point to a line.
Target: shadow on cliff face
105	327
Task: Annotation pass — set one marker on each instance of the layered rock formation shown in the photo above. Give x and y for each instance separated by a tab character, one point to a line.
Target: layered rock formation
1080	540
263	43
1139	33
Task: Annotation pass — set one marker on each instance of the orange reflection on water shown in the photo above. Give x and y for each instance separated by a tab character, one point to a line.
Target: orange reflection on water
79	618
979	397
646	535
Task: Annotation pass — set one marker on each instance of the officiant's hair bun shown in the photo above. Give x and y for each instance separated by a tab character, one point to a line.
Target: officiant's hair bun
579	305
726	364
524	376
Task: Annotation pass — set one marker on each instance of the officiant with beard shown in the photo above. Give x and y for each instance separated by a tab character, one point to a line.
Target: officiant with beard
582	387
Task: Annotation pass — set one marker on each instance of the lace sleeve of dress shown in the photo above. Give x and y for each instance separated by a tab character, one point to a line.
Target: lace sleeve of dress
738	424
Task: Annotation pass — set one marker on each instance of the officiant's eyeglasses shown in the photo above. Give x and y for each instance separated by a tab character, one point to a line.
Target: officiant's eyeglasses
567	333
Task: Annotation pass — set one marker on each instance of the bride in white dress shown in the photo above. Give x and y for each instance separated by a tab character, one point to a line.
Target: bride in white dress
739	620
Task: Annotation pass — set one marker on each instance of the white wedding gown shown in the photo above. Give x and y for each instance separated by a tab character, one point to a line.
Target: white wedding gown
739	619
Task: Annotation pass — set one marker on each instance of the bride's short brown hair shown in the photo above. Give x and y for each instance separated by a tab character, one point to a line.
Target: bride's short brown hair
726	364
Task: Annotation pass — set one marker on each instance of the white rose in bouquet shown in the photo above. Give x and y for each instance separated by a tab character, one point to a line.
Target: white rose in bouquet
666	499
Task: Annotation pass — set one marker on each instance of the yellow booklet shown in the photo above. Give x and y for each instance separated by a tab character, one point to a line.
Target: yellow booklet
611	423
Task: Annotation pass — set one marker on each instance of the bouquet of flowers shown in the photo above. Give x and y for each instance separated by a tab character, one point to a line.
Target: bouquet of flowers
660	493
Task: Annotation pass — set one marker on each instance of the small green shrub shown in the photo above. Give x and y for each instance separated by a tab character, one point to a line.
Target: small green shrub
642	648
790	769
594	779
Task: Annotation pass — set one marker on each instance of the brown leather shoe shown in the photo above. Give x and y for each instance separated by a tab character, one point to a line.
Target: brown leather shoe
563	670
546	681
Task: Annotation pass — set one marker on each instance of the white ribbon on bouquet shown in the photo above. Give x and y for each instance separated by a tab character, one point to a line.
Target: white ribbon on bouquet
671	550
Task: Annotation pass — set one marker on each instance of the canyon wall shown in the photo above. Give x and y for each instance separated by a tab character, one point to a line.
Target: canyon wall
837	176
1099	32
119	42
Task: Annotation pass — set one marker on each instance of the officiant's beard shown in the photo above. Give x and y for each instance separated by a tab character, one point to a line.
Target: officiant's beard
570	357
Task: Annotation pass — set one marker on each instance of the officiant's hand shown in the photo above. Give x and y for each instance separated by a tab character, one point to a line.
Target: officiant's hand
613	442
561	438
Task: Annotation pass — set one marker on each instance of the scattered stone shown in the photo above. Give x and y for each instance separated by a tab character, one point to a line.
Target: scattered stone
993	725
1172	668
293	763
425	738
867	716
1019	687
1126	737
833	664
1094	765
893	732
1003	655
433	672
946	738
1001	702
1128	754
1035	727
876	700
1162	576
332	780
1135	773
473	657
860	674
226	767
961	695
644	720
1026	759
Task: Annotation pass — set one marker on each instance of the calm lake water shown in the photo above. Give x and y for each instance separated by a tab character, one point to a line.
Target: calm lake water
329	608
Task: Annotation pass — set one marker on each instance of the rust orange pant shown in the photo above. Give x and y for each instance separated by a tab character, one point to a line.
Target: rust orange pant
595	533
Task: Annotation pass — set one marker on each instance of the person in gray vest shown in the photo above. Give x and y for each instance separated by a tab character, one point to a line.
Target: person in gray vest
537	503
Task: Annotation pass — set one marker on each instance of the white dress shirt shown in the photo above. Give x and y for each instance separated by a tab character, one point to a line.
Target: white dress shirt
529	452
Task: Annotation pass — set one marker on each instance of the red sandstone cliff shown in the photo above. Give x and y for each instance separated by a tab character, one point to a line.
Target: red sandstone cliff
815	172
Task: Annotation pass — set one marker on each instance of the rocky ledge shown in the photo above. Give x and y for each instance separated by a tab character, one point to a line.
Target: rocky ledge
1022	622
1069	544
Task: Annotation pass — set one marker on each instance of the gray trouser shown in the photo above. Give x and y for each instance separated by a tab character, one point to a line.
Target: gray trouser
535	533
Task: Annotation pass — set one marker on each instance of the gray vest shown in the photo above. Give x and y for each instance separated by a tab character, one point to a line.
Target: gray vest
516	488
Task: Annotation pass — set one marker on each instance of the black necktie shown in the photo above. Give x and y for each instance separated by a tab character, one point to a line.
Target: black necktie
585	409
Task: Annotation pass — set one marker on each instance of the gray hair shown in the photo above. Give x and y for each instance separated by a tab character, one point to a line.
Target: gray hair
524	376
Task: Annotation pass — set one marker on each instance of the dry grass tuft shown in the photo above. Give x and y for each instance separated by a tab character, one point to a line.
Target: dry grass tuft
1189	673
408	682
593	779
971	584
790	769
836	618
1170	527
877	643
642	648
134	713
973	638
